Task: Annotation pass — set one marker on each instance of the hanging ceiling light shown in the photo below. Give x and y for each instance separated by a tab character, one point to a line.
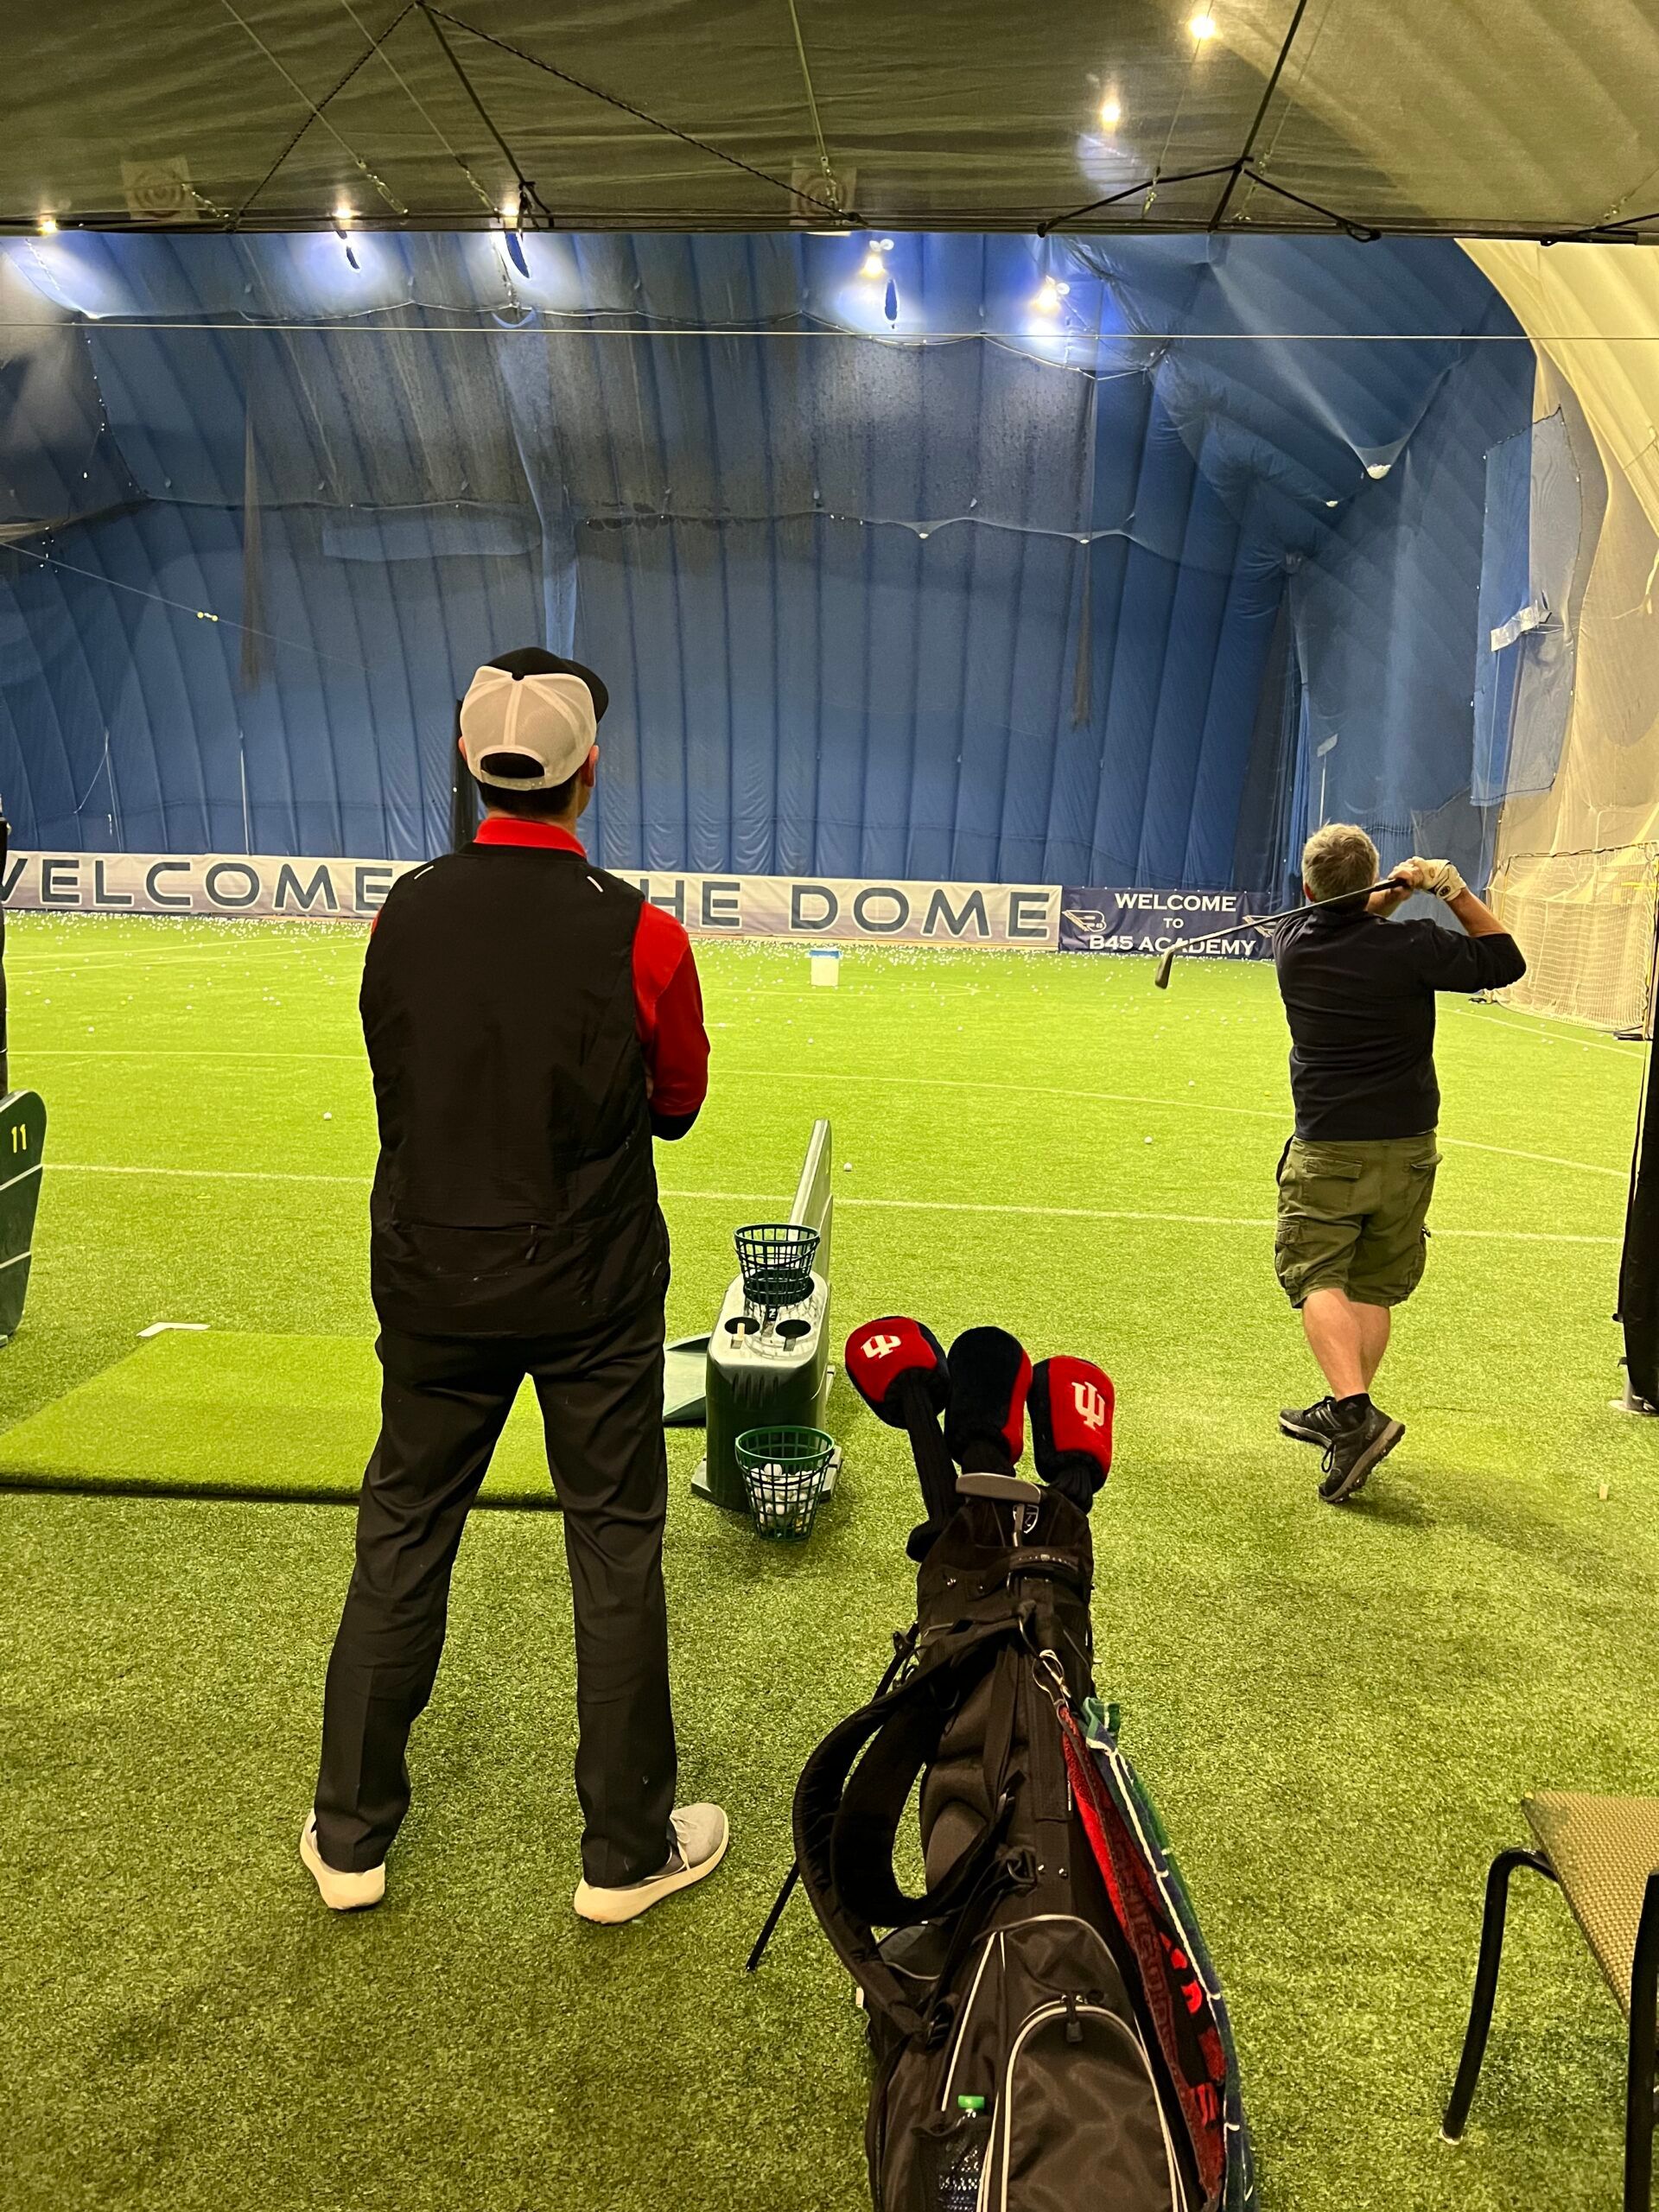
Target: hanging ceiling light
1049	295
48	226
343	217
873	275
1203	25
512	217
1111	111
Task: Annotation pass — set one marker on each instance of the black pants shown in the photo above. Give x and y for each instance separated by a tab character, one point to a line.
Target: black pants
443	1403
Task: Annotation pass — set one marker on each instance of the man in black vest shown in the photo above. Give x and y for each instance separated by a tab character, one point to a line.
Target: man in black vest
531	1023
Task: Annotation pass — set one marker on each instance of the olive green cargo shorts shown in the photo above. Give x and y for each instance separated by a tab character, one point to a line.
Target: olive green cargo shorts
1352	1216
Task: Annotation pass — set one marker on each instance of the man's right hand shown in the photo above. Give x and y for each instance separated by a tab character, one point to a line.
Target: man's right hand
1397	886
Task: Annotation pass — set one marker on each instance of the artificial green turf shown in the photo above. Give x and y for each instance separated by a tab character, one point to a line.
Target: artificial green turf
1337	1711
248	1415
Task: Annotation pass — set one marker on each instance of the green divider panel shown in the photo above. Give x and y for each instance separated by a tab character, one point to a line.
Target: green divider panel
247	1414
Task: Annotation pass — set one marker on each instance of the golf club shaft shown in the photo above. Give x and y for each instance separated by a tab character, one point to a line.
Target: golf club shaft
934	1469
1289	915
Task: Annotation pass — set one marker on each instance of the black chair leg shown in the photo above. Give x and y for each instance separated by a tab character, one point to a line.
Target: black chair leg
1485	1996
1639	2113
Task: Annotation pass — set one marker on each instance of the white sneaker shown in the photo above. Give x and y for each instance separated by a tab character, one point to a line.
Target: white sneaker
340	1892
700	1835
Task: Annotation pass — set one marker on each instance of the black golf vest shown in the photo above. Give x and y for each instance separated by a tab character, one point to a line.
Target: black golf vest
516	1193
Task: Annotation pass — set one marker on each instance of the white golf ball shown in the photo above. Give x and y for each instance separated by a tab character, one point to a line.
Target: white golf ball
1146	1140
327	1117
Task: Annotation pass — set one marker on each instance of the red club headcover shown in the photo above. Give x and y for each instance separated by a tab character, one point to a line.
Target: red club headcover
985	1420
1071	1404
882	1352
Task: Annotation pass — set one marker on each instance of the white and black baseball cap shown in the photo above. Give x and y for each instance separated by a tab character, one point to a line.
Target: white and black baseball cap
528	719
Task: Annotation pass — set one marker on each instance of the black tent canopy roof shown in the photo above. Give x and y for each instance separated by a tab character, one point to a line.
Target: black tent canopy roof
1465	117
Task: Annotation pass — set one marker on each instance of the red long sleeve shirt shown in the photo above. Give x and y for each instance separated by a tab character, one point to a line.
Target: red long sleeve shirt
667	995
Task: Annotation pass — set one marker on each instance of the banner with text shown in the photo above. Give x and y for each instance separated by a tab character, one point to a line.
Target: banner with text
839	910
202	883
1096	918
1023	917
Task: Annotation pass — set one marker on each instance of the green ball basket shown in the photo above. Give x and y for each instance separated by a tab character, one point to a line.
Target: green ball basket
775	1259
784	1472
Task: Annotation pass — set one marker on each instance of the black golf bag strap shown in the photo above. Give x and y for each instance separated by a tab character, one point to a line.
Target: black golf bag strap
817	1801
866	1826
847	1869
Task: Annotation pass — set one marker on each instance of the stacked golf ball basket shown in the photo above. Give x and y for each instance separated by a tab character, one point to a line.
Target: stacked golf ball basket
769	1453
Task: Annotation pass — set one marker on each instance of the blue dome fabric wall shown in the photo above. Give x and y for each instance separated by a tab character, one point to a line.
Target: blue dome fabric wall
985	587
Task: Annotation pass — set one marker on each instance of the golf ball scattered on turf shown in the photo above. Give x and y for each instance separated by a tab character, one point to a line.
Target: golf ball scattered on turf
327	1117
1146	1140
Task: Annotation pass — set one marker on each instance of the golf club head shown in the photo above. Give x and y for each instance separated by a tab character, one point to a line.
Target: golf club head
1160	974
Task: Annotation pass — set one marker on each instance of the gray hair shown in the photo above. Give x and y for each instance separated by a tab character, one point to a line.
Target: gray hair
1338	859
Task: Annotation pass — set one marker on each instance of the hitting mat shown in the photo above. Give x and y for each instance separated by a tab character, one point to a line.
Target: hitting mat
226	1413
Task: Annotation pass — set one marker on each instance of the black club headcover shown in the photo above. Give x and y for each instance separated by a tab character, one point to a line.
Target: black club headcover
985	1420
1071	1405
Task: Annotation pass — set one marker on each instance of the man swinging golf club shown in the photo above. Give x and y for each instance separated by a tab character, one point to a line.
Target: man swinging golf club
1355	1180
531	1023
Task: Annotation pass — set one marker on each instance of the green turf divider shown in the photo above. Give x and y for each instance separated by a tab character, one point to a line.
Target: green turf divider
241	1414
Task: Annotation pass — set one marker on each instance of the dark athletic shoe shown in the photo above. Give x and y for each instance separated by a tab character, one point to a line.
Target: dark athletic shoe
1352	1453
1314	1424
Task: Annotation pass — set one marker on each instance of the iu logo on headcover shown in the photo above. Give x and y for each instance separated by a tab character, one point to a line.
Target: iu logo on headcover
1092	1406
879	1347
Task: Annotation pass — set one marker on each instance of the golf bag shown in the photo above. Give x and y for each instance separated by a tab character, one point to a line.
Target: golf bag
1048	2033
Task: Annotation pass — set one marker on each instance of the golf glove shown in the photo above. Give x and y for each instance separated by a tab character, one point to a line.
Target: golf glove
1438	877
